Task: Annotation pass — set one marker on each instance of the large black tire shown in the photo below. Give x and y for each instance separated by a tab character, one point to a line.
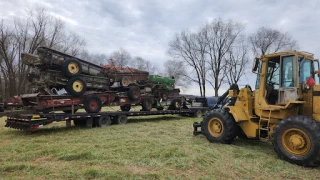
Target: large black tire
71	67
219	126
296	139
176	104
103	121
79	122
92	104
146	104
122	119
76	86
198	113
134	93
126	107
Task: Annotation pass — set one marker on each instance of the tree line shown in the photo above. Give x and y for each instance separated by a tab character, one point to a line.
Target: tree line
219	51
215	54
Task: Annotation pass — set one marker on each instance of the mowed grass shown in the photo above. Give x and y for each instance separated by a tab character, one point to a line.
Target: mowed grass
149	147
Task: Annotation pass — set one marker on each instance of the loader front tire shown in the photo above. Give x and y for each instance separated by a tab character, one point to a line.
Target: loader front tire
296	139
219	126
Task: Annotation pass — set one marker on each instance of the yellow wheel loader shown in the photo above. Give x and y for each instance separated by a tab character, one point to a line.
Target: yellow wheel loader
284	108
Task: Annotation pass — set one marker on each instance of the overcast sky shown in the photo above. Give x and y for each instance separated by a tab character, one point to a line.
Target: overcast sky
145	27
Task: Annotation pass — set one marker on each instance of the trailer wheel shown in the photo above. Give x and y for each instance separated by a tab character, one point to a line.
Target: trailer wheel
164	96
146	104
71	67
296	139
126	107
124	81
102	121
92	104
76	86
134	93
198	114
79	122
176	104
122	119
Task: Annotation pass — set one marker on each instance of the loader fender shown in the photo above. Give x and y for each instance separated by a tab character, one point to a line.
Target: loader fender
238	113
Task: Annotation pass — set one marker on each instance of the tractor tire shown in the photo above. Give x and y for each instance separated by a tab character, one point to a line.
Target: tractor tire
219	126
71	67
198	114
70	111
296	139
176	104
164	96
103	121
76	86
126	107
124	82
122	119
146	104
134	93
92	104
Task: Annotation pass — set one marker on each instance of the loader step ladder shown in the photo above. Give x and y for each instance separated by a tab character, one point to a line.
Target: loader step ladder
264	125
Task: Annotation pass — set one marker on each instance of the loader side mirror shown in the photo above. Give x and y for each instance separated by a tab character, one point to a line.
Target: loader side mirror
255	65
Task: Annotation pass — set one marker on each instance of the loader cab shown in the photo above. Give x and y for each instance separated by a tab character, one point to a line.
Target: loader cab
281	75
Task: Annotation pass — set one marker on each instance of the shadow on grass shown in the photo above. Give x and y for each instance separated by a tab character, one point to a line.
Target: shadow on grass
139	119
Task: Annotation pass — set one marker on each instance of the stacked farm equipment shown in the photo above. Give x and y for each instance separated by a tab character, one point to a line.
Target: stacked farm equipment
64	82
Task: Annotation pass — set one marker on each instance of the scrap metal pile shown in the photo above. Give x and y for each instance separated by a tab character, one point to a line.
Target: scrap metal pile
64	82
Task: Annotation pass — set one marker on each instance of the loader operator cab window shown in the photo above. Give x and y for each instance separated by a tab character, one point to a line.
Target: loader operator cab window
272	81
305	70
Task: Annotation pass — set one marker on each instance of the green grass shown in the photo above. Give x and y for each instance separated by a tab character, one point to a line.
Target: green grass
154	147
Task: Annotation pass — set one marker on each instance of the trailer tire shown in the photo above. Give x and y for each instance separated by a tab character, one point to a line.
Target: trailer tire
146	104
102	121
76	86
122	119
134	93
92	104
126	107
80	123
71	67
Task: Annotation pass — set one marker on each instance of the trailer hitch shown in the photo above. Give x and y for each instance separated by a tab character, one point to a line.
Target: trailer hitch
195	128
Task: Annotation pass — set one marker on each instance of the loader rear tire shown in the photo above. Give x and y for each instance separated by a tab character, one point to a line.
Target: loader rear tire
134	93
219	126
296	139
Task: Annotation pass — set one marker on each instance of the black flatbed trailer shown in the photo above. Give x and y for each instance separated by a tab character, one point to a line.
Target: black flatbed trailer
30	121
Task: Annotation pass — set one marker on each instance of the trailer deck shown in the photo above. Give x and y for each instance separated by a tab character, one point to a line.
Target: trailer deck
30	121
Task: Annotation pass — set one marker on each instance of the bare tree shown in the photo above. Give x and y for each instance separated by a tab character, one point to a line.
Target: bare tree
143	65
237	61
176	69
190	48
121	57
94	58
26	34
267	40
219	36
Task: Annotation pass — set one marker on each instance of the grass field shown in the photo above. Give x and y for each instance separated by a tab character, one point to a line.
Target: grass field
154	147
